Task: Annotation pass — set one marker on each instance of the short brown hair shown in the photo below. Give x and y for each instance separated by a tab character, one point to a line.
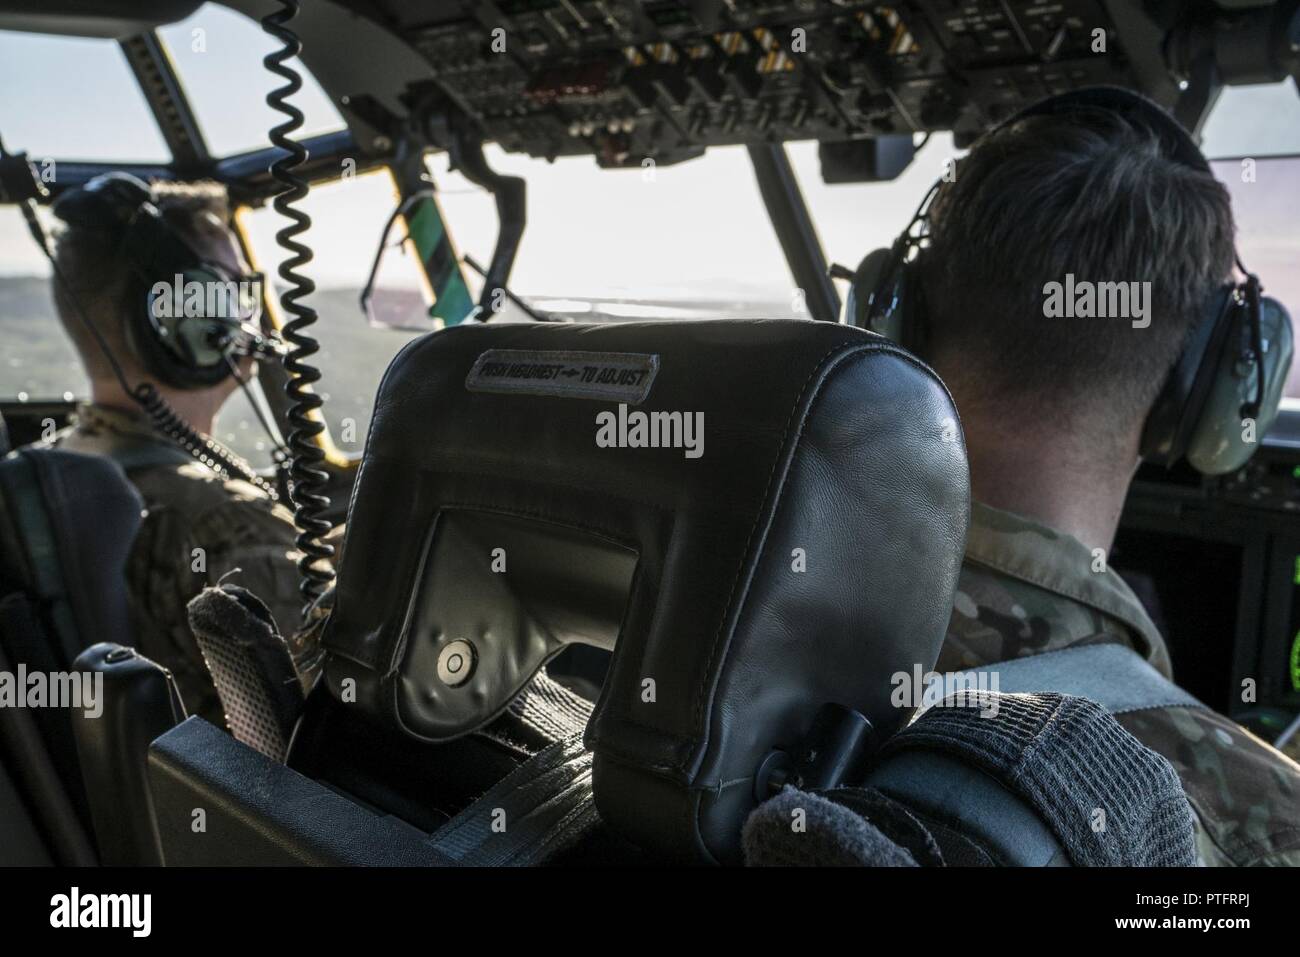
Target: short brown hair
1094	194
94	263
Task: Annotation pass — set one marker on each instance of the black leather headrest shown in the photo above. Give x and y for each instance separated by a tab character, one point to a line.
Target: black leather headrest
801	550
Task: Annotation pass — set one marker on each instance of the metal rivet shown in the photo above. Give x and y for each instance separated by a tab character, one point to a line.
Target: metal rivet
456	662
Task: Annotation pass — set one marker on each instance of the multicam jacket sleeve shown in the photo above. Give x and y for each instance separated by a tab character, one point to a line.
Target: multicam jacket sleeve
1025	589
199	529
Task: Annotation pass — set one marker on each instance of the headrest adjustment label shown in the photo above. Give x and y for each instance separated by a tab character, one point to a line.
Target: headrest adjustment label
609	376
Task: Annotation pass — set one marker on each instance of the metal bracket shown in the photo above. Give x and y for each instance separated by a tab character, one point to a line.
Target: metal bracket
465	149
795	230
162	91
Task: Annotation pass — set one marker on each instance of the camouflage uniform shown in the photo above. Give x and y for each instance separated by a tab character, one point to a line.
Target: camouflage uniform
189	507
1026	589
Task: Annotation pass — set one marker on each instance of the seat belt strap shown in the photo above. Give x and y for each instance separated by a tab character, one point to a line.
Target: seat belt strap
550	710
542	807
1111	674
1054	753
1074	765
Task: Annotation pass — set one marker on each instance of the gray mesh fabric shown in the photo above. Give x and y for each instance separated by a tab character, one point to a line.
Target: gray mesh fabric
250	665
800	829
1108	798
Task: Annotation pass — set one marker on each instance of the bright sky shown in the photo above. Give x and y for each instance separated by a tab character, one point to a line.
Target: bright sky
697	228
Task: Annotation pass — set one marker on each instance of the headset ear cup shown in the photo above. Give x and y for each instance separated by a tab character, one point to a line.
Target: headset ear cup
887	308
857	304
901	313
173	355
1222	439
1178	405
168	362
162	365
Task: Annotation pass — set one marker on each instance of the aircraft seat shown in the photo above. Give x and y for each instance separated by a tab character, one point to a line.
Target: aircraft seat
67	522
758	518
793	541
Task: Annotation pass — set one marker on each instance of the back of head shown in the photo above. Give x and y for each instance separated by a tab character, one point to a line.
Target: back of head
102	272
1081	199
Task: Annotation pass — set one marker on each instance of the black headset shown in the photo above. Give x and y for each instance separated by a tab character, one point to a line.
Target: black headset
1222	394
182	341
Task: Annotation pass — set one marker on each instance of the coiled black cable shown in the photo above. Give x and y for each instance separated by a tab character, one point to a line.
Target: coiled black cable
206	450
307	480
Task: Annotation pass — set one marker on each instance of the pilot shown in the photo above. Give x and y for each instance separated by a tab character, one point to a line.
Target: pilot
1053	410
200	524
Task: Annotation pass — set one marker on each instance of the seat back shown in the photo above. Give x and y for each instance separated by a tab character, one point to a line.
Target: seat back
68	525
759	517
138	703
763	521
67	522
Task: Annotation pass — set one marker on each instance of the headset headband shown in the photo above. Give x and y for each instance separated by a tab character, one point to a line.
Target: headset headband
1200	411
1108	99
1128	104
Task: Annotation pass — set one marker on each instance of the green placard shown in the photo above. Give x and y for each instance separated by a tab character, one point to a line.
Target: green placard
428	231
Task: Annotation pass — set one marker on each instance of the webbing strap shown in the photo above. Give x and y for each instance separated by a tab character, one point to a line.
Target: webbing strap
1063	761
549	709
1058	761
1109	800
539	809
1114	676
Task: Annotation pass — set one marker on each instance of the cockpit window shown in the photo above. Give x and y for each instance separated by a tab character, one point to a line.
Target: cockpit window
37	361
1266	205
218	55
854	218
1254	121
73	98
1252	136
348	218
682	241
